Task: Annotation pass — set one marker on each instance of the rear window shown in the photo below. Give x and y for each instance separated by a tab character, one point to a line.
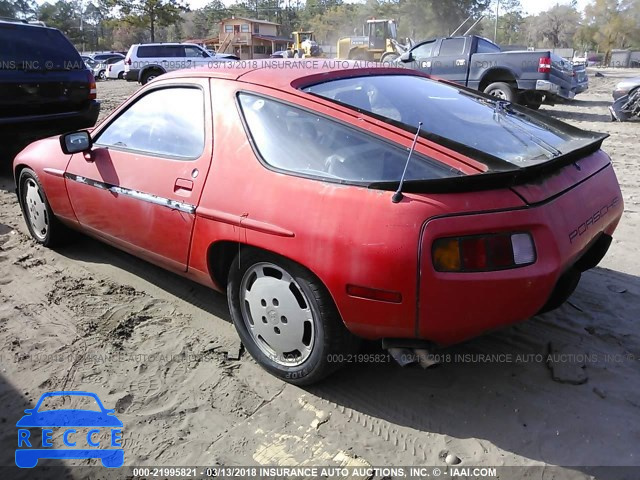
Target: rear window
294	140
485	125
25	47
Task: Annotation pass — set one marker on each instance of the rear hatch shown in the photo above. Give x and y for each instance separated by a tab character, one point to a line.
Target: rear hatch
509	146
40	72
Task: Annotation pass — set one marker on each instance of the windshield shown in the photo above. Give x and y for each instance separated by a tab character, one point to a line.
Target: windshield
489	126
36	48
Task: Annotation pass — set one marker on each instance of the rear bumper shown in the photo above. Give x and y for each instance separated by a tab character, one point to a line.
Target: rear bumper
547	86
132	75
553	89
40	126
570	235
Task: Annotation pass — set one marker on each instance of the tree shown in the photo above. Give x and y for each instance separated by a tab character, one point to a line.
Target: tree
611	24
151	14
18	9
65	16
559	24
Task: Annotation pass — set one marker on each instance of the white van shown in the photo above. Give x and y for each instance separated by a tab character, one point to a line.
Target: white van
145	61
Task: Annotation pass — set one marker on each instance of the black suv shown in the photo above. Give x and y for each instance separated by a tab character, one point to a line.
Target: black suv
45	87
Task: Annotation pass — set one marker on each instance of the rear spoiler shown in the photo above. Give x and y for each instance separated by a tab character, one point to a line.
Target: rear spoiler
494	179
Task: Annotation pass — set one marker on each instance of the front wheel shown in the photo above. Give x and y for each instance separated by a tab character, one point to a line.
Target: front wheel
389	57
41	222
286	318
501	90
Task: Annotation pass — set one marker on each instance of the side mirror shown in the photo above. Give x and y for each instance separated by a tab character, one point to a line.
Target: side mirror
75	142
406	57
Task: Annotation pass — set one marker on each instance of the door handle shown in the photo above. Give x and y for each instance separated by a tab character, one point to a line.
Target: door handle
183	184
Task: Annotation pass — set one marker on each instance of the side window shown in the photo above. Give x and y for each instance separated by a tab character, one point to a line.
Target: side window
298	141
165	122
423	51
487	47
148	52
451	46
245	28
228	28
174	51
193	52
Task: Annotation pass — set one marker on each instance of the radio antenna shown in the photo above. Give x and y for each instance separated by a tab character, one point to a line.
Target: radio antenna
398	195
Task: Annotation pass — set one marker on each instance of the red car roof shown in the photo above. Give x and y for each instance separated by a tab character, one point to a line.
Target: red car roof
284	74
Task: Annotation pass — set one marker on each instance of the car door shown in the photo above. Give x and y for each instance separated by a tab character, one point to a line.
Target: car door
141	182
451	62
195	56
422	56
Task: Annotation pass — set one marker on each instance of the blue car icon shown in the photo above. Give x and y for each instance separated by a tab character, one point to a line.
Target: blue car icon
28	457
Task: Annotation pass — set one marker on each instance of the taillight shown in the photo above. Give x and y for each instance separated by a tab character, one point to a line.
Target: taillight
127	61
483	253
108	68
93	92
545	65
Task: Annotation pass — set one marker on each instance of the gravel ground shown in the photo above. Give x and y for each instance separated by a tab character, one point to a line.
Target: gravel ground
163	352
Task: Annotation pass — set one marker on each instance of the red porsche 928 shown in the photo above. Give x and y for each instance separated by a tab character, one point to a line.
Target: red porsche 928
335	203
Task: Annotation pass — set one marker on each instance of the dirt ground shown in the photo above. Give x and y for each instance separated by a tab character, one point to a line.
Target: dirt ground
163	353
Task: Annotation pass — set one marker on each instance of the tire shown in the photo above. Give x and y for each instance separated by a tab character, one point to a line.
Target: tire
43	226
149	75
359	55
502	90
121	76
533	105
389	57
102	75
286	318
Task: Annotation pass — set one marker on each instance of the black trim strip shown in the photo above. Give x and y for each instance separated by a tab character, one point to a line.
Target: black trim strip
145	197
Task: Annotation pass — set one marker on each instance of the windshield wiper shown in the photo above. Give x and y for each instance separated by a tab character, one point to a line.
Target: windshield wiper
502	111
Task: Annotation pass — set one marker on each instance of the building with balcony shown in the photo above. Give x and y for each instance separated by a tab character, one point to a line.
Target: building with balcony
249	38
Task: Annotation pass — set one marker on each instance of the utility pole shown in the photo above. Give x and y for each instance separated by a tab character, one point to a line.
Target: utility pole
495	32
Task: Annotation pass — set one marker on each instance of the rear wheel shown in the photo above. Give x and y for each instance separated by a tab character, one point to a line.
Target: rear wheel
149	75
121	76
285	317
501	90
43	226
102	75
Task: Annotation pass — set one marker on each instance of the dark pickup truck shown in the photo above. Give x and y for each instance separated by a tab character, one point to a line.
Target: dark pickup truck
528	78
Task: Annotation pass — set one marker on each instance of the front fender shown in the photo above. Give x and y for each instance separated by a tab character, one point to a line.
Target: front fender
46	159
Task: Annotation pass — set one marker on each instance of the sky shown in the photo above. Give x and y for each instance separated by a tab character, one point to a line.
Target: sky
530	6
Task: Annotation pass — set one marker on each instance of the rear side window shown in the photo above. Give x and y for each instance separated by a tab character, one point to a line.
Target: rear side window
487	47
164	51
36	48
452	46
295	140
